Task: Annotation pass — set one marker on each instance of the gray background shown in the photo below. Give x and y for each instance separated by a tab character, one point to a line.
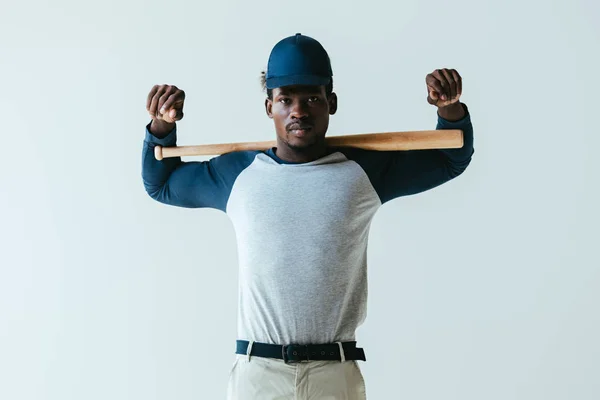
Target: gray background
484	288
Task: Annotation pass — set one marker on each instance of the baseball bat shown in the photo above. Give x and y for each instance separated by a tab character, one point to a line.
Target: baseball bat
387	141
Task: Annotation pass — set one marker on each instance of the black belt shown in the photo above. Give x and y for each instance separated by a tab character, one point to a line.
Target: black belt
302	352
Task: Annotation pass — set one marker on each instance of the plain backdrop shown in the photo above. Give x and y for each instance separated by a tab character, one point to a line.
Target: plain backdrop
483	288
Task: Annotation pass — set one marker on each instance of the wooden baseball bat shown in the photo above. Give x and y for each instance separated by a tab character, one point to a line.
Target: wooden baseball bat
387	141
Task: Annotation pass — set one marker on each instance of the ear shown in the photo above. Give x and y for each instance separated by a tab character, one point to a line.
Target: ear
333	103
269	107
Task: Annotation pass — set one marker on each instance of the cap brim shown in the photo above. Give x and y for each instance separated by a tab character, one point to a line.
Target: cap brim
309	80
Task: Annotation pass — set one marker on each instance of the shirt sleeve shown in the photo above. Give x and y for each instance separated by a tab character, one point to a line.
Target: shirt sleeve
192	184
407	172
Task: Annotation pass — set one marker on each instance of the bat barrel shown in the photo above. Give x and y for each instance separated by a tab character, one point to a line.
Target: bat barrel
397	141
388	141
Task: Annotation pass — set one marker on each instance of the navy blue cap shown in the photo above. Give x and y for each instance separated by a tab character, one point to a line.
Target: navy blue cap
298	60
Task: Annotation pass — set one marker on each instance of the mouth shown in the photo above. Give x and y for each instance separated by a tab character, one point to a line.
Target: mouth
300	131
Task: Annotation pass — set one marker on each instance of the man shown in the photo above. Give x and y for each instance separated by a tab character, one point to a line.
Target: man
301	212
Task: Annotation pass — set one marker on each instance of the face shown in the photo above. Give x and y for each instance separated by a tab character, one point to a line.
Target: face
301	115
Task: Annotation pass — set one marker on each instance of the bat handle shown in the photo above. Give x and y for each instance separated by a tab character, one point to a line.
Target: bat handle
158	154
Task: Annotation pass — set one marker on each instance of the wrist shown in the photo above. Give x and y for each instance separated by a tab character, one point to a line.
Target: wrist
452	112
160	129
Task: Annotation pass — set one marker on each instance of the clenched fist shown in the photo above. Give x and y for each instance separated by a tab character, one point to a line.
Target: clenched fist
444	87
165	106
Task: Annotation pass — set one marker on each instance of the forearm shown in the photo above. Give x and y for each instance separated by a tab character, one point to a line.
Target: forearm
457	118
156	173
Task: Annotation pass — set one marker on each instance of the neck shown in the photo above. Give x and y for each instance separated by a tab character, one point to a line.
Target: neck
303	155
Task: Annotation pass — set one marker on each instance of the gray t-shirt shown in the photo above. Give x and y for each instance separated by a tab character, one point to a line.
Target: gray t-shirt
302	228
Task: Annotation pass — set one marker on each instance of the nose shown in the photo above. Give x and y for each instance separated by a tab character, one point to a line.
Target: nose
298	110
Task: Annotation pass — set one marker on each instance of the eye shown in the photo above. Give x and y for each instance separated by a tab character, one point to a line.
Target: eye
284	100
313	99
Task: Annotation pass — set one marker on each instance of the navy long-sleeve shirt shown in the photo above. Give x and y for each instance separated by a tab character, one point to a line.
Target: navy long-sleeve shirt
302	228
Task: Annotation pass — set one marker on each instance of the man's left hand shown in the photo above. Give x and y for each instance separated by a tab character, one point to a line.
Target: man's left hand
444	87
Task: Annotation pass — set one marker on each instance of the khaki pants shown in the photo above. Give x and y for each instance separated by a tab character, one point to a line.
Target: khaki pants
263	378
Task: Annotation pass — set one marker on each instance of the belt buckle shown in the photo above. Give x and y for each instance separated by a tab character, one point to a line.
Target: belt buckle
297	352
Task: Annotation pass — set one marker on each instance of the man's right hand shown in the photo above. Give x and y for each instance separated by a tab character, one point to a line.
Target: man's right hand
165	106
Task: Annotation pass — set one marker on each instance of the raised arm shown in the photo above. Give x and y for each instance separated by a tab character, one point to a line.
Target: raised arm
412	172
402	173
171	181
